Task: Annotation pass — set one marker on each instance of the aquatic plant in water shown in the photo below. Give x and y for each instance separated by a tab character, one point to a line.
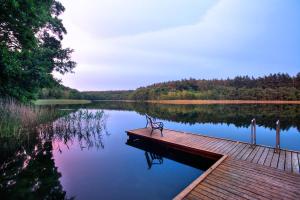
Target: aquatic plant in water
84	126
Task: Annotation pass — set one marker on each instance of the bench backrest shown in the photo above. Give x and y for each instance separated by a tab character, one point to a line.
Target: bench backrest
149	120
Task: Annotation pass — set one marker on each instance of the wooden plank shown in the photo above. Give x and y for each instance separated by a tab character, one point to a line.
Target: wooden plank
250	182
253	153
275	159
221	191
232	189
299	159
204	192
192	197
189	188
248	152
240	182
288	178
221	150
233	150
258	154
220	145
202	144
212	144
269	158
295	163
285	178
239	151
263	157
246	164
288	161
230	148
212	190
281	161
194	141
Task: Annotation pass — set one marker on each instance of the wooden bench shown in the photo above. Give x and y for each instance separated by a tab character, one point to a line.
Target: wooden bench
154	125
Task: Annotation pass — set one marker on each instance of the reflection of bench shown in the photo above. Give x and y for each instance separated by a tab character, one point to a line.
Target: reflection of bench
151	157
154	125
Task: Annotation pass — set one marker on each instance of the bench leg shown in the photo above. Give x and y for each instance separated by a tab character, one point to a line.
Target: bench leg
161	130
151	131
146	125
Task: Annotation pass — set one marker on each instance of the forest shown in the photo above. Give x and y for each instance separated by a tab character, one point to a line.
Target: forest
272	87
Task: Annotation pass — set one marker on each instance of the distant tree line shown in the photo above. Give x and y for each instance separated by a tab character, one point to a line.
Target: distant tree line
59	92
62	92
108	95
272	87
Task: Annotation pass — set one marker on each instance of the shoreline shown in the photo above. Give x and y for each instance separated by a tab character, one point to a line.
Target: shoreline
171	102
208	102
41	102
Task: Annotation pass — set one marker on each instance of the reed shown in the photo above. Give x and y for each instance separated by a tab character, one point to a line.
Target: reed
16	117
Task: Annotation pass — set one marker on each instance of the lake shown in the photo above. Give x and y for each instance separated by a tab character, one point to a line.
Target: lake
87	155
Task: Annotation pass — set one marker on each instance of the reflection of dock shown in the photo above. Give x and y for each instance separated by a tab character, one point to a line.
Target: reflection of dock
241	171
179	156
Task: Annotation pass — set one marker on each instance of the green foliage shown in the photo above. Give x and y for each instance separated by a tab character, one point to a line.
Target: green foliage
30	47
59	92
272	87
107	95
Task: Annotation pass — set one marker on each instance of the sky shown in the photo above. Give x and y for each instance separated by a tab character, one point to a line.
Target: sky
126	44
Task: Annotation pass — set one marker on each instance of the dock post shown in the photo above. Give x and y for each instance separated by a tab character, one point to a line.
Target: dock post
277	147
253	132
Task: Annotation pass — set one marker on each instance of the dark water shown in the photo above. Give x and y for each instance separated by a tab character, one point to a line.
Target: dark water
87	155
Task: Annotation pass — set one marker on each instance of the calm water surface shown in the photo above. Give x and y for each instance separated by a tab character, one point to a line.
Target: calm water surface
117	170
87	155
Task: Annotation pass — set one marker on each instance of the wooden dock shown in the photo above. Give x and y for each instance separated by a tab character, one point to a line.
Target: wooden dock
241	171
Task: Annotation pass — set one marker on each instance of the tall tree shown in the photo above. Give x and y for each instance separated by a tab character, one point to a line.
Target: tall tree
30	46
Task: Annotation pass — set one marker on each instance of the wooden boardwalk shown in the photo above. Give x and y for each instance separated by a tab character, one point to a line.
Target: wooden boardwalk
244	172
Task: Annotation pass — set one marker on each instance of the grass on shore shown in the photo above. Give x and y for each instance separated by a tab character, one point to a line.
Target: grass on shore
16	117
60	101
203	102
183	102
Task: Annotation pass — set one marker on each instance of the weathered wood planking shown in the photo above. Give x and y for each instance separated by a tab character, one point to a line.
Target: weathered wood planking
237	179
242	171
284	160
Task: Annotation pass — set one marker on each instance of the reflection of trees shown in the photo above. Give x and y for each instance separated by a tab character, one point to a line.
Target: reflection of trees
85	127
30	173
239	115
27	168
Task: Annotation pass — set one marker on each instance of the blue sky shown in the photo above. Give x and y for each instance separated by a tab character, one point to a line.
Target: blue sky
125	44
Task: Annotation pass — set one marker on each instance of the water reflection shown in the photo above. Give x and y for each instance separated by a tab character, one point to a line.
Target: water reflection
27	168
266	115
31	173
153	159
84	127
155	153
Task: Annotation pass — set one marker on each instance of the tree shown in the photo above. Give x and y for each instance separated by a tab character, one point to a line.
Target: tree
30	47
